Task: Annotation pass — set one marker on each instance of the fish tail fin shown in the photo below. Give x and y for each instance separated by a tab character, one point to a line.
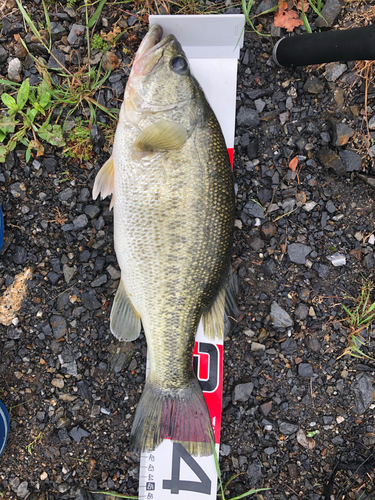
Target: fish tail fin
177	414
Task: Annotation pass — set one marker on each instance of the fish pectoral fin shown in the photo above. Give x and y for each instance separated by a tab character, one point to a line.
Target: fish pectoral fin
104	180
125	321
160	136
224	314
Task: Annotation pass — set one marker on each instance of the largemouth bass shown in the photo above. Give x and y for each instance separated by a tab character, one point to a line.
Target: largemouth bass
173	201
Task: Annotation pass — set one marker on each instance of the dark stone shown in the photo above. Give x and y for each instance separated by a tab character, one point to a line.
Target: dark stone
351	160
321	269
329	14
297	253
50	164
268	230
269	267
312	343
341	133
254	473
84	389
248	118
313	85
56	57
254	209
242	392
63	436
305	370
97	138
3	54
301	312
287	428
92	211
331	160
20	255
253	150
10	28
77	433
58	325
90	301
255	243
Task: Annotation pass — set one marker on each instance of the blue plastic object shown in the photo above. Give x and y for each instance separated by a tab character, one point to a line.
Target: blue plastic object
1	229
4	426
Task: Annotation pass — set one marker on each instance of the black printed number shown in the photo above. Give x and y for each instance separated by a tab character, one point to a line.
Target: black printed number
175	484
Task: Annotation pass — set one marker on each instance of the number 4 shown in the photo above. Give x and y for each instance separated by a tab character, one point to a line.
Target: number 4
175	484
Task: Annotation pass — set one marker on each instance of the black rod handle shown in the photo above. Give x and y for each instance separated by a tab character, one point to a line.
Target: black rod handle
344	45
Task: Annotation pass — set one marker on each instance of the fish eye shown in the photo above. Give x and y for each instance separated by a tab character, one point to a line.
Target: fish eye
179	65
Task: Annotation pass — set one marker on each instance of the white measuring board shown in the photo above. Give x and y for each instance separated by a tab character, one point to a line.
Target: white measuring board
212	44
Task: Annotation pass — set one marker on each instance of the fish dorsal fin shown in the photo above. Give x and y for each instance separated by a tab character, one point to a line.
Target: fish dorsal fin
160	136
224	314
104	180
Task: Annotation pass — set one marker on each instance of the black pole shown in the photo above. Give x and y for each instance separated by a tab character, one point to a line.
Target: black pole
344	45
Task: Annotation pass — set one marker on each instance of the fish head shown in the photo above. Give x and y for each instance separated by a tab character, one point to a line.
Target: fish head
160	78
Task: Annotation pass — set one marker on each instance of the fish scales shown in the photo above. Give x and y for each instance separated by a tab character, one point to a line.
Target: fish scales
173	202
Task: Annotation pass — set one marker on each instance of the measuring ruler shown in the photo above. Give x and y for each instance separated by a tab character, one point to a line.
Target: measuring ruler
170	470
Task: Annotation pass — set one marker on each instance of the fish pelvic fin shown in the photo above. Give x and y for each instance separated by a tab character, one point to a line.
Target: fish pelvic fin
179	414
220	320
104	180
125	321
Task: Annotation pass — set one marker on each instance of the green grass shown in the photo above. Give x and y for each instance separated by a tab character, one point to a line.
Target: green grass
359	318
29	109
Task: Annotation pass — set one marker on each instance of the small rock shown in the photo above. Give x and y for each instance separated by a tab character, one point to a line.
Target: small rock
68	272
242	392
301	312
247	118
321	269
58	325
255	243
363	392
100	280
15	70
351	160
20	255
371	123
312	343
341	134
77	433
66	194
337	259
266	408
329	14
92	211
22	489
254	209
305	370
334	71
90	301
58	382
313	85
255	346
331	160
225	450
297	252
3	55
368	261
280	317
56	60
75	31
80	222
254	473
110	61
287	428
268	230
330	207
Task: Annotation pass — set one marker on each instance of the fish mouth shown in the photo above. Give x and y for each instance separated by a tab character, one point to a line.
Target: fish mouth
150	51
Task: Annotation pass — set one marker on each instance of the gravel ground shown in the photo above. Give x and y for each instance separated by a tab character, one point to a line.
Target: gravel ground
304	240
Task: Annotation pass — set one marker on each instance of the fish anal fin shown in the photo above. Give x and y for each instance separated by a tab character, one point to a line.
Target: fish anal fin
160	136
125	321
104	180
224	314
